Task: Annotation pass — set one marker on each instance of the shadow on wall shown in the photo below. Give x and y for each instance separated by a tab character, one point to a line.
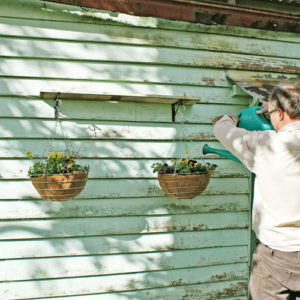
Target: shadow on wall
121	233
111	229
88	236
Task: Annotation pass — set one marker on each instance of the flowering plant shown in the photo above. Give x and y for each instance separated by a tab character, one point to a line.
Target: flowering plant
183	166
55	163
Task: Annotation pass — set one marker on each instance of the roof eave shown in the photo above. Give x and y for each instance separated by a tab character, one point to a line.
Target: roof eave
196	12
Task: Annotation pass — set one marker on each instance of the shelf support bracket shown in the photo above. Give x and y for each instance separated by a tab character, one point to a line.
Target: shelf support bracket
175	109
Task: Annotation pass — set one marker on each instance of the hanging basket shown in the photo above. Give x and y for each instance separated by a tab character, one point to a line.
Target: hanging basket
181	186
60	187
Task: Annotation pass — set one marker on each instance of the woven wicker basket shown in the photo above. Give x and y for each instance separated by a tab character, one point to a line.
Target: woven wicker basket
183	186
61	187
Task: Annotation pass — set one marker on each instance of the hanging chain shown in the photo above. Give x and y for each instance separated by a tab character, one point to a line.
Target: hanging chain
53	136
182	129
56	106
174	138
184	134
68	145
57	116
180	105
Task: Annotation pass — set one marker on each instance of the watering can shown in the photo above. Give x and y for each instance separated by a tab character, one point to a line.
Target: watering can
249	120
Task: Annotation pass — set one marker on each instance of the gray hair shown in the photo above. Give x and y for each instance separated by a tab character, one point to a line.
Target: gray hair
287	97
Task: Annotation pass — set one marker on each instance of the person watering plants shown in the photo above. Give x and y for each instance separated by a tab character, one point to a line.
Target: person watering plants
274	157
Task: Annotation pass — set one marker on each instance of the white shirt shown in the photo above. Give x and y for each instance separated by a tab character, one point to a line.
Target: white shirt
275	159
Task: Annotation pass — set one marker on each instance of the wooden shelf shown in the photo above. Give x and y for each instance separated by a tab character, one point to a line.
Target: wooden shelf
258	85
121	98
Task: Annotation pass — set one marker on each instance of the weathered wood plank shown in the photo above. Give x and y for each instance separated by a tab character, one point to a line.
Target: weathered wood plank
139	54
32	10
257	77
69	227
116	244
101	284
106	188
34	128
11	148
200	113
121	207
159	37
112	72
47	268
229	290
119	168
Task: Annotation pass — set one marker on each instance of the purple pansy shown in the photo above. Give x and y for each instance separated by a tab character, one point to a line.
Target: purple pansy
162	171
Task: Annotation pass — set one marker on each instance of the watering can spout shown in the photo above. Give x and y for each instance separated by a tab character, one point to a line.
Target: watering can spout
207	149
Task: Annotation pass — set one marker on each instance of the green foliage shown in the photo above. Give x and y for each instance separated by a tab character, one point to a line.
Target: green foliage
55	163
183	166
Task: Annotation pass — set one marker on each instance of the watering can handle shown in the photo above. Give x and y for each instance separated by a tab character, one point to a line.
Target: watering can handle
256	108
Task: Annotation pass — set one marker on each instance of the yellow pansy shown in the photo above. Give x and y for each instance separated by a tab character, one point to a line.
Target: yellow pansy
192	165
186	160
27	153
59	155
52	155
187	151
172	160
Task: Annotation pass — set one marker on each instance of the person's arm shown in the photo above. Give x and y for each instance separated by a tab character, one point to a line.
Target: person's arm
240	142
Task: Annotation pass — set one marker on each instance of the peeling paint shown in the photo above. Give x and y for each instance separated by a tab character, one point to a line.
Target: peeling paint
200	137
179	207
224	276
200	227
238	289
209	81
177	282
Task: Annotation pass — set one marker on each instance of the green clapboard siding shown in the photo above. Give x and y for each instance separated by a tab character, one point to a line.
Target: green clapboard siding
122	238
